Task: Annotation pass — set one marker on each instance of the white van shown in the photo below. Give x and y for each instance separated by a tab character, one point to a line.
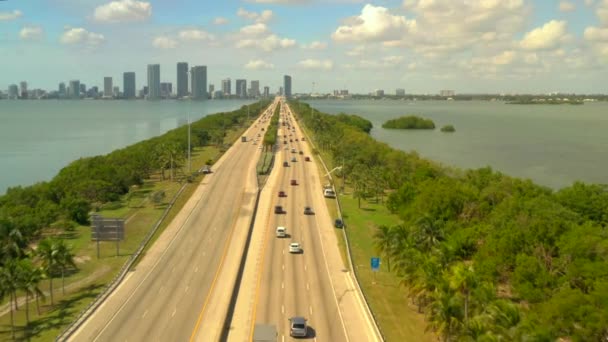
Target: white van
281	232
329	193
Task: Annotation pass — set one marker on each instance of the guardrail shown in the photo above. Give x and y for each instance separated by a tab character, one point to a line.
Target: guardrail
379	331
86	312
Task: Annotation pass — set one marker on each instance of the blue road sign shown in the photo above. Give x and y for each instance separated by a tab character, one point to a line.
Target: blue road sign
375	264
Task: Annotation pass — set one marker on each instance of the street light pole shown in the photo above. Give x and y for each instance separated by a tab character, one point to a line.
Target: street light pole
189	147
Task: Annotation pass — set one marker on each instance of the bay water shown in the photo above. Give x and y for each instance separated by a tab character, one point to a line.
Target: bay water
554	145
39	137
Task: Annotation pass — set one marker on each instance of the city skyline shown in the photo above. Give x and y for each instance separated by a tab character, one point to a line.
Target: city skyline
522	46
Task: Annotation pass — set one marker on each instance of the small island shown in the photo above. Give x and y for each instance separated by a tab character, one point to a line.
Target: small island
409	122
448	129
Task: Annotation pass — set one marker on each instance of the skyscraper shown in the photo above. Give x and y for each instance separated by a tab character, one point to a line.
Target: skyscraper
107	87
13	91
266	91
74	89
153	81
198	75
23	86
62	90
226	87
255	89
83	89
287	86
166	88
182	79
128	85
241	88
211	90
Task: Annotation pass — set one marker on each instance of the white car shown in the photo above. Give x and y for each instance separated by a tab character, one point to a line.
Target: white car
295	247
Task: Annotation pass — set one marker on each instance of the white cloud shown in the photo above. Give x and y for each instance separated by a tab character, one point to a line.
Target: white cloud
546	37
123	11
316	45
194	35
259	64
220	21
596	34
316	64
255	29
374	24
164	42
269	43
6	16
262	17
80	36
602	12
282	2
31	33
388	62
566	6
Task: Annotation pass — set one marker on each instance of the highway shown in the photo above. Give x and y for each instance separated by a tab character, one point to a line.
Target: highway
277	284
185	280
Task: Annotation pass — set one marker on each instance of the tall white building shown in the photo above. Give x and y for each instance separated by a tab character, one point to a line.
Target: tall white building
255	89
153	81
241	88
226	87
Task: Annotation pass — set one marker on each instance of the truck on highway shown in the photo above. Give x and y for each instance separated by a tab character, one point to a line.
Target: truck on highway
265	333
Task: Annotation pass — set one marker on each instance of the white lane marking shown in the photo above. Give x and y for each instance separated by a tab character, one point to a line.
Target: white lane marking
144	315
174	311
308	286
161	289
282	285
305	268
283	338
310	309
283	267
283	309
187	288
196	269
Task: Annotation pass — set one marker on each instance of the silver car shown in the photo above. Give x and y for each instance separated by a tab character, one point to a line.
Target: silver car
297	327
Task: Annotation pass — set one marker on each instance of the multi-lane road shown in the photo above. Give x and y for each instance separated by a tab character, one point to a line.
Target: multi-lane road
174	290
182	289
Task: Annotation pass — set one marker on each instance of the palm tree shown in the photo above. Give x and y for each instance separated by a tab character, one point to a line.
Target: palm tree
49	254
463	279
9	284
65	259
444	313
11	240
30	277
429	232
384	242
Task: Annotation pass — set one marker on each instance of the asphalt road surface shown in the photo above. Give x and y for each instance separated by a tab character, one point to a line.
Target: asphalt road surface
191	264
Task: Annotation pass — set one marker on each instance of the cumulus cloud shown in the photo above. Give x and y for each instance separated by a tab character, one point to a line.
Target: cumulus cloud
262	17
316	45
596	34
281	2
374	24
566	6
123	11
164	42
31	33
220	21
316	64
259	64
546	37
195	35
387	62
254	29
269	43
80	36
602	12
6	16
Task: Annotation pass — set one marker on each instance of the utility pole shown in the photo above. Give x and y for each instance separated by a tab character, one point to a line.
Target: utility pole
189	147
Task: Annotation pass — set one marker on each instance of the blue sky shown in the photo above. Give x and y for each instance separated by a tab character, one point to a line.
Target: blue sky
471	46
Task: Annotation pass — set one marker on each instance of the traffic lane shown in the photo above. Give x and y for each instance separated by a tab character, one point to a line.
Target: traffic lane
161	291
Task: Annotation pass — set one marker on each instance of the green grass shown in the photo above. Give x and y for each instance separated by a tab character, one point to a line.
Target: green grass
398	319
93	274
263	165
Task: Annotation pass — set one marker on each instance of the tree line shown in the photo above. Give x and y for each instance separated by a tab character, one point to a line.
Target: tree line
27	257
486	257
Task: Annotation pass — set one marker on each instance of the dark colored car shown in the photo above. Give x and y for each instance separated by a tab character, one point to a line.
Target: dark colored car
296	139
308	211
290	140
282	194
294	182
301	152
307	159
285	164
303	139
339	223
278	209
